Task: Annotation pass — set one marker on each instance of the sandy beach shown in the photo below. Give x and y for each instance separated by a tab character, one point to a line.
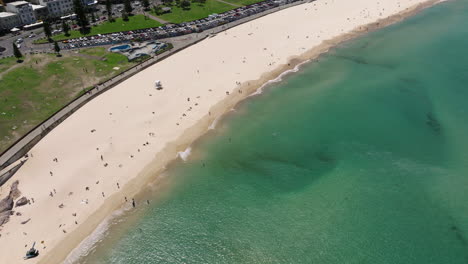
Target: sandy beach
98	159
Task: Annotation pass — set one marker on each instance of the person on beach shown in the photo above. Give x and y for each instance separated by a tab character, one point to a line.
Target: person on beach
133	203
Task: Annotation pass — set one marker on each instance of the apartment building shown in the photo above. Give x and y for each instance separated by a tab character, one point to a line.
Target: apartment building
9	20
24	11
40	12
56	8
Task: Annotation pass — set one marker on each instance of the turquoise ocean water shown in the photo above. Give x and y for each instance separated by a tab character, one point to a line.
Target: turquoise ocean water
361	157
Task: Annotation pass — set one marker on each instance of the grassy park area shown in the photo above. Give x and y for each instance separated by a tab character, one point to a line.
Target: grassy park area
7	63
135	22
33	90
196	11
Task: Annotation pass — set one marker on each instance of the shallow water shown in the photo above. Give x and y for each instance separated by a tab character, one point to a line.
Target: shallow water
359	158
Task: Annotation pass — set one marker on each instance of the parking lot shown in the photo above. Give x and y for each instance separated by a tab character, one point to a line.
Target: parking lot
169	31
166	32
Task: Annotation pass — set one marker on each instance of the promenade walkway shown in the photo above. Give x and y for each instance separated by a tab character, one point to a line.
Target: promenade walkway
231	4
24	144
162	21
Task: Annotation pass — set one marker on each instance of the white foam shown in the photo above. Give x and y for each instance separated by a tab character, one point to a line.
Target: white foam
213	125
279	78
185	154
90	242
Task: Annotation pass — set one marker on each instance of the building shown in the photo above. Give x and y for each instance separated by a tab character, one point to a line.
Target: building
56	8
166	10
24	11
4	2
9	20
89	2
40	12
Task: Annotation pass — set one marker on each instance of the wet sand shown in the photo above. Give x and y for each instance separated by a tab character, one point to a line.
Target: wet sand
98	159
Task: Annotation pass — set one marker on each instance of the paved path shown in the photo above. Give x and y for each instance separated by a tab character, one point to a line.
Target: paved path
231	4
22	146
156	18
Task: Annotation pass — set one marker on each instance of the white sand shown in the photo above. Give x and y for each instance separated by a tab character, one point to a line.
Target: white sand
123	120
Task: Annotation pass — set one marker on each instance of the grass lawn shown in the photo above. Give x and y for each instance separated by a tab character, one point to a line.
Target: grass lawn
197	11
7	63
243	2
33	90
135	22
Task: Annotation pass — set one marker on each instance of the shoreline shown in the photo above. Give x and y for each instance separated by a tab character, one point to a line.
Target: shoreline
270	78
10	155
168	155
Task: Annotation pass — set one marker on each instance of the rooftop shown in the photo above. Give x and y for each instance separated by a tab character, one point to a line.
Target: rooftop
7	14
18	3
34	7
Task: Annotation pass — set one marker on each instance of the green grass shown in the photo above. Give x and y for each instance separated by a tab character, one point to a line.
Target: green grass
32	92
197	11
135	22
243	2
7	63
99	52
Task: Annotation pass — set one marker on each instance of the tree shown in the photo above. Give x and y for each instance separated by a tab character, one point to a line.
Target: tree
128	7
167	2
109	11
124	16
47	30
145	4
93	16
81	18
57	48
66	28
185	4
157	10
17	53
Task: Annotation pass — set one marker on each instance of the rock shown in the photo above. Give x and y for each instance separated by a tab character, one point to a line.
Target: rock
14	191
18	214
22	201
4	217
6	204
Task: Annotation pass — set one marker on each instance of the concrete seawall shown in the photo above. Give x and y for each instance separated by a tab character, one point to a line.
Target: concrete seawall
21	147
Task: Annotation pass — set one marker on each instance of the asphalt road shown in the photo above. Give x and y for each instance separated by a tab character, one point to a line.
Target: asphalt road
27	44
